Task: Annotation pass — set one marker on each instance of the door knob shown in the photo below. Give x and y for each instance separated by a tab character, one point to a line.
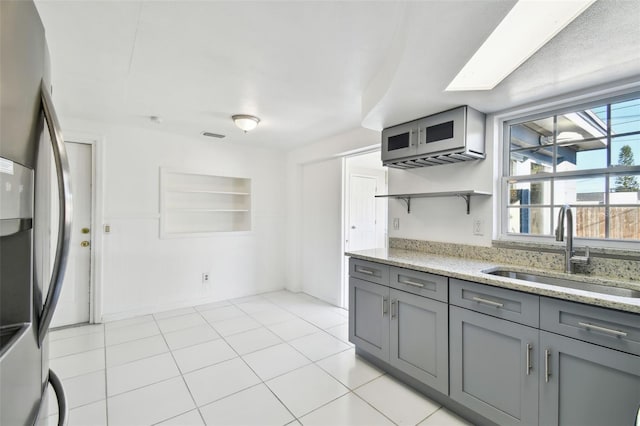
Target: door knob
84	244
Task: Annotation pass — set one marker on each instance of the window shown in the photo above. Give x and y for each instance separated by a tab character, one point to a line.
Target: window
587	157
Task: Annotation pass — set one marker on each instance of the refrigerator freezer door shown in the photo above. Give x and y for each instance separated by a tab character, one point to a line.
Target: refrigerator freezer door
22	55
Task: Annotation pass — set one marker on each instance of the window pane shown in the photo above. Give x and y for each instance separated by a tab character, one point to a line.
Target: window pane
624	223
624	189
532	133
589	222
625	117
529	220
531	161
587	190
625	150
582	141
527	193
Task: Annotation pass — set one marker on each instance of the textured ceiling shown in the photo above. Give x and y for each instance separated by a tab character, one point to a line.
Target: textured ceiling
308	69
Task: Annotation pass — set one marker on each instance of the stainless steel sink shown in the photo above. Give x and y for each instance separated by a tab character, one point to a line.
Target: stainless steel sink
562	282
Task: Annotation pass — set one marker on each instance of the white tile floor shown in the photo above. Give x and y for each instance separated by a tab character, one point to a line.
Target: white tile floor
273	359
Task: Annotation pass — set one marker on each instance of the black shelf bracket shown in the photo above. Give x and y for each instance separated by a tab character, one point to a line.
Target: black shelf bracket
467	198
407	201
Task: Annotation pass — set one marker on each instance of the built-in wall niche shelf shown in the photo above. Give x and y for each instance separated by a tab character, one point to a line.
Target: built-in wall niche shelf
465	195
196	204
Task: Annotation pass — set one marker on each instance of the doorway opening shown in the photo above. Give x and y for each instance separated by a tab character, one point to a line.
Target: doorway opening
364	216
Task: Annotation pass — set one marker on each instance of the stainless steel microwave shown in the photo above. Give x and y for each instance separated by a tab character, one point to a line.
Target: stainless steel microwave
455	135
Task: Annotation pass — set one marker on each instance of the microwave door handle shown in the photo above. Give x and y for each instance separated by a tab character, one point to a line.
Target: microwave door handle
65	213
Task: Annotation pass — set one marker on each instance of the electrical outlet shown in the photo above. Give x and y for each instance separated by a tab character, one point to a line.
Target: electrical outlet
205	278
477	227
396	223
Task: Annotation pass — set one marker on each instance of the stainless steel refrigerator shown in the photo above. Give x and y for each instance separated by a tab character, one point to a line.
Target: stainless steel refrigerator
30	283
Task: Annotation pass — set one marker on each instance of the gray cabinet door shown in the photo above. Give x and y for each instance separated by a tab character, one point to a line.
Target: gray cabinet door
419	338
492	367
369	317
585	384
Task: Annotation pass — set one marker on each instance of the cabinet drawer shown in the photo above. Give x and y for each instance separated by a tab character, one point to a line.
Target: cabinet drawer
369	271
606	327
421	283
498	302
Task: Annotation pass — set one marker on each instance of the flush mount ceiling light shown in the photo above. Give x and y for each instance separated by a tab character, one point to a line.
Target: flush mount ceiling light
245	122
528	26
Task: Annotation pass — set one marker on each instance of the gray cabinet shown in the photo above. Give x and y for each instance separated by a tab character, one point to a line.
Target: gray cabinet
404	329
585	384
369	317
512	357
492	367
419	343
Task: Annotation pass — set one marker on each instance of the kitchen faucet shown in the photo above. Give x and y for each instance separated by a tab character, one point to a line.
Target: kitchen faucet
569	253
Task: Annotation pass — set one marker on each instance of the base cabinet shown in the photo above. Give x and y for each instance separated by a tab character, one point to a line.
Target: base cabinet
492	369
587	385
408	331
418	334
369	317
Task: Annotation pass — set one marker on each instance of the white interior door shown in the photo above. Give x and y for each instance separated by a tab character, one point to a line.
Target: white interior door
362	212
73	305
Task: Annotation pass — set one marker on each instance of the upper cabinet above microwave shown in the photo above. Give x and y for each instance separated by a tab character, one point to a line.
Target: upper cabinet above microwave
447	137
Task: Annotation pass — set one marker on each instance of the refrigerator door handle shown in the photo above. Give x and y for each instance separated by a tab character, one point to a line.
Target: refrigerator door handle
63	409
66	210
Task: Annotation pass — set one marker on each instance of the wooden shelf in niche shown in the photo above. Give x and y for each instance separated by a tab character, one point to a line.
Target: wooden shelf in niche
194	204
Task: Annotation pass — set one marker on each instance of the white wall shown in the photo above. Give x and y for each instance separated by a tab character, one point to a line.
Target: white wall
445	219
143	273
321	229
327	149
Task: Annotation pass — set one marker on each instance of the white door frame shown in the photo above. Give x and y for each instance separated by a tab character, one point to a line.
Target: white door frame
95	279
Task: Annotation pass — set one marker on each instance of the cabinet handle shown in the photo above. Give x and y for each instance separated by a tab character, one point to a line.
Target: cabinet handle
529	347
488	302
364	271
547	370
603	329
394	308
413	283
385	306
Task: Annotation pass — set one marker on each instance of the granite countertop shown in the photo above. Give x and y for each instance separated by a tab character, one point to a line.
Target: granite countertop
472	270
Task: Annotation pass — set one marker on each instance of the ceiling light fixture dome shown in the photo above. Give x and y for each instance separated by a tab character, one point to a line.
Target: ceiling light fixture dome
245	122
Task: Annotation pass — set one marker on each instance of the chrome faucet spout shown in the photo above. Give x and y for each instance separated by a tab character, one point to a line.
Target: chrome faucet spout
565	211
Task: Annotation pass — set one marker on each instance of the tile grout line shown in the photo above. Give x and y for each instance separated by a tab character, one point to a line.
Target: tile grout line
256	374
181	376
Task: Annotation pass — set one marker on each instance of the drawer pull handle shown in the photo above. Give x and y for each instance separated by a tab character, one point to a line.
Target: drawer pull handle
394	308
488	302
364	271
385	306
529	367
413	283
603	329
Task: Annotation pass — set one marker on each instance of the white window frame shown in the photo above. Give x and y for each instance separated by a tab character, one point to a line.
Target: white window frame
503	120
